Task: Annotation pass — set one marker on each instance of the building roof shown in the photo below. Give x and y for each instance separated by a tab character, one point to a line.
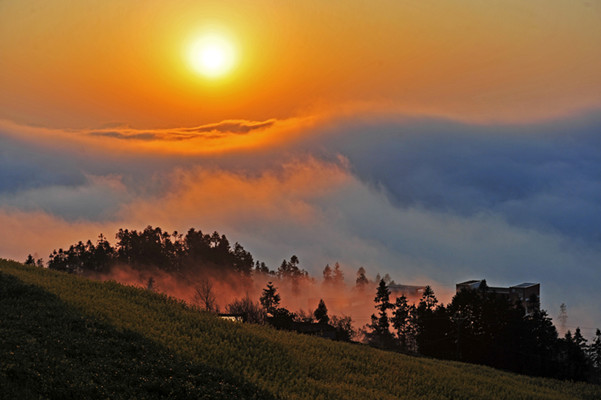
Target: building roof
470	282
474	284
525	285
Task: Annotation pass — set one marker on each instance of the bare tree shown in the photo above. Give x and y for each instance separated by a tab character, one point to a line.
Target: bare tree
252	311
205	297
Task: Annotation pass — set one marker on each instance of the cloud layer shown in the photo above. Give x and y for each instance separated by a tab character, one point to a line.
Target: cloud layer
426	200
208	131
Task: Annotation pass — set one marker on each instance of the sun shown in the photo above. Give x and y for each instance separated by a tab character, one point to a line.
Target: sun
212	55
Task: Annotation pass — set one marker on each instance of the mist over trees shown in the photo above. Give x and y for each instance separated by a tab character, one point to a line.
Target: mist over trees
317	322
477	326
199	256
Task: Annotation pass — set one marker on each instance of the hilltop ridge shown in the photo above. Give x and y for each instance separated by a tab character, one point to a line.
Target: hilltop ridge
186	353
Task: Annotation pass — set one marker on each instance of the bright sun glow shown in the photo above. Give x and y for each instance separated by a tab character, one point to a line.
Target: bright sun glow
212	55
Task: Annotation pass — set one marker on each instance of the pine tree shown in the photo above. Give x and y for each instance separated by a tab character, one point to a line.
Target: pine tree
290	269
321	313
428	299
270	299
361	280
261	267
380	326
327	274
580	340
401	321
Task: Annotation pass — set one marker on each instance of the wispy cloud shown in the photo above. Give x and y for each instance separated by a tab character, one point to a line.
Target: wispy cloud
209	131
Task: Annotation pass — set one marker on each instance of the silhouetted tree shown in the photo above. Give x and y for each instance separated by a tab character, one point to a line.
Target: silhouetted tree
401	321
290	269
580	340
149	248
380	334
570	361
30	260
321	313
428	299
270	299
432	327
242	260
101	257
540	342
261	268
60	261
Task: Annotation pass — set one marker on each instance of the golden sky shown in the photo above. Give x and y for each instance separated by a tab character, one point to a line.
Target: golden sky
84	64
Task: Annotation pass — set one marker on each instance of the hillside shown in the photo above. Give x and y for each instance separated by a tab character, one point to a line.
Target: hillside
63	336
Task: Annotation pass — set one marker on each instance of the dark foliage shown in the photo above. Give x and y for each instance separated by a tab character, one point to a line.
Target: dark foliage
319	323
478	326
380	335
481	327
251	311
270	299
321	313
154	248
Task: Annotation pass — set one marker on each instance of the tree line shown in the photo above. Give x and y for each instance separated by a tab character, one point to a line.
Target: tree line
197	252
479	326
173	253
183	255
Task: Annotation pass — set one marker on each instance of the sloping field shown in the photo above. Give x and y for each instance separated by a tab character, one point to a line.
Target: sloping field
64	336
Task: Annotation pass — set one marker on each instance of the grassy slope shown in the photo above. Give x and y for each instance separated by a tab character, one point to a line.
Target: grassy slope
49	349
284	364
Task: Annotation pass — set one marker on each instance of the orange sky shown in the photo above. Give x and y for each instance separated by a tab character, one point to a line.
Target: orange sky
87	63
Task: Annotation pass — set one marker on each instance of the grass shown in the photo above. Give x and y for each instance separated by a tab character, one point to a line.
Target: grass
246	361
